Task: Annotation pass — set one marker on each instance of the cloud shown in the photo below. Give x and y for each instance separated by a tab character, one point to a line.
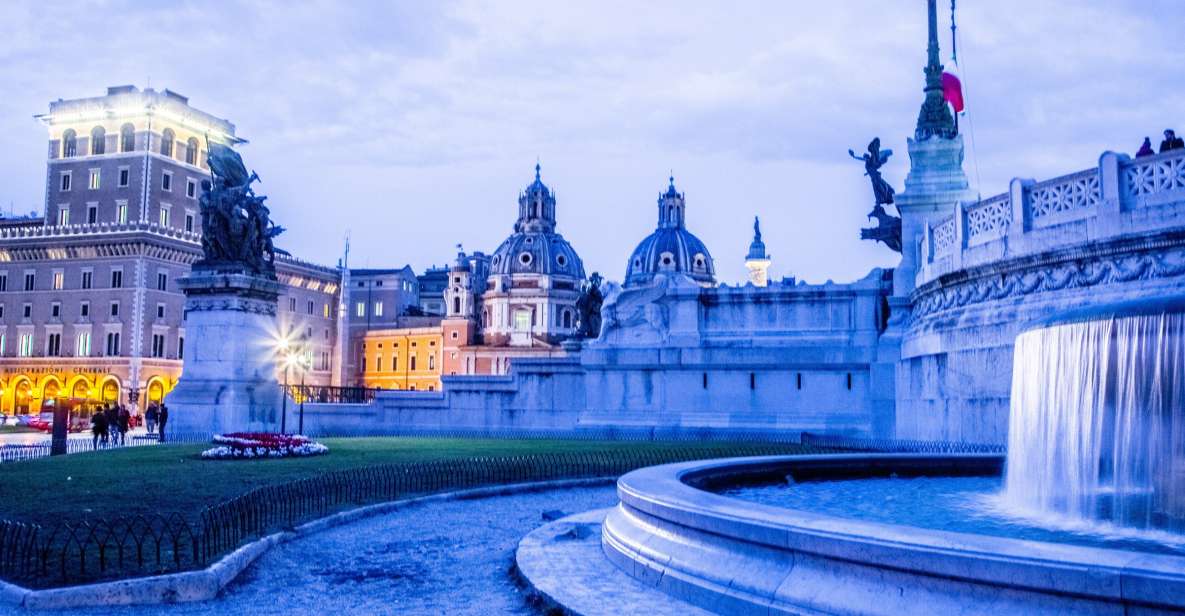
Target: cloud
416	124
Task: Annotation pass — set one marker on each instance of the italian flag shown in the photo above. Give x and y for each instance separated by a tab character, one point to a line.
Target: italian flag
952	90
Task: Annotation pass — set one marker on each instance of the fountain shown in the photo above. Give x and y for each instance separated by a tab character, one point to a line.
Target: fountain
1097	427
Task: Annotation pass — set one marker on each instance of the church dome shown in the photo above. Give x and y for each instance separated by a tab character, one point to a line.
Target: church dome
671	248
535	247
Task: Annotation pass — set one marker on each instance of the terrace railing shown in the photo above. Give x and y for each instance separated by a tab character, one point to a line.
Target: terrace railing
318	394
1120	196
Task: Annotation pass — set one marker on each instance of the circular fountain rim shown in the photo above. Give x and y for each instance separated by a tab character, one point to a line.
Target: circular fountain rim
1173	304
666	527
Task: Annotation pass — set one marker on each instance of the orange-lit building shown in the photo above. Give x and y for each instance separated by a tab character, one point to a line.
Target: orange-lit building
402	358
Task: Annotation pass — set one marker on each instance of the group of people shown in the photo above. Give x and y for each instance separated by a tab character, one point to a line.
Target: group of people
1171	142
111	422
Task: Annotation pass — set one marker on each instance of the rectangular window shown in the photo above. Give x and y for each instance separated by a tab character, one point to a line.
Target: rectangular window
65	184
325	311
160	311
59	279
158	345
30	281
191	188
112	344
162	281
53	345
116	279
360	309
378	309
312	307
3	282
166	182
27	311
84	309
86	279
291	304
94	179
26	349
82	346
92	214
55	310
181	347
394	363
164	216
121	213
378	363
3	343
125	176
1	311
114	309
63	215
189	222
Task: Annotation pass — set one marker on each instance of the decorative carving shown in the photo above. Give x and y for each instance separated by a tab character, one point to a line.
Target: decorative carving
944	236
1155	176
888	227
1066	194
989	217
236	228
233	304
1074	274
589	307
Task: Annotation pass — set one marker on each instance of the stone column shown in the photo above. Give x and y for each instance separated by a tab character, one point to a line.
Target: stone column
228	380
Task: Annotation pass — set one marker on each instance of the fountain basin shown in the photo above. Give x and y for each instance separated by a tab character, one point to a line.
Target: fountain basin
734	556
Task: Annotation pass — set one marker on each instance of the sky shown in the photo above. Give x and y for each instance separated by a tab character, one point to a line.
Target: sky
412	126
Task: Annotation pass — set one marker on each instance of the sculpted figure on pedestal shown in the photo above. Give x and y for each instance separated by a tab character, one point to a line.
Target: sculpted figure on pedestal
237	231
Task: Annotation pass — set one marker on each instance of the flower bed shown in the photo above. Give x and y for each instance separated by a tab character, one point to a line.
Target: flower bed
251	445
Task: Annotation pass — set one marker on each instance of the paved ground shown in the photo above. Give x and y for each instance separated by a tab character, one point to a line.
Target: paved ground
447	557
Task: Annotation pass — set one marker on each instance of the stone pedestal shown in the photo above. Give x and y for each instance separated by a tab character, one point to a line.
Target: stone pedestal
228	381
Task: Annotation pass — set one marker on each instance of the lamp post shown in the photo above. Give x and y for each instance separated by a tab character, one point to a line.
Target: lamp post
305	364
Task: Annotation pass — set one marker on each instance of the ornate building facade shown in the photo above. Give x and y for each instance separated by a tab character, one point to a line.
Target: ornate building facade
89	305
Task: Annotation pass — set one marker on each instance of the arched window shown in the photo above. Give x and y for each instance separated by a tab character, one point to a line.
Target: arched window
166	142
69	143
98	141
191	152
127	138
456	305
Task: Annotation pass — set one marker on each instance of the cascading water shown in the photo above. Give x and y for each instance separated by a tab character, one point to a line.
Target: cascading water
1097	425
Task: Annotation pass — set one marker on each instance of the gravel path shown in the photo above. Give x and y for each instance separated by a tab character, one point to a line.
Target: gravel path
448	557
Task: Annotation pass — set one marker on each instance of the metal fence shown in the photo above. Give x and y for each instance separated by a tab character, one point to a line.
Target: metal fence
887	445
17	453
318	394
69	553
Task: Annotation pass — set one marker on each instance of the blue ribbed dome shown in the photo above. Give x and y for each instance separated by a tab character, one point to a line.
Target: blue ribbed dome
536	253
671	248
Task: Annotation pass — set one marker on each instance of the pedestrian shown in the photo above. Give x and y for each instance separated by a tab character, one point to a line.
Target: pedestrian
150	418
98	429
1171	141
1145	148
125	422
161	419
112	413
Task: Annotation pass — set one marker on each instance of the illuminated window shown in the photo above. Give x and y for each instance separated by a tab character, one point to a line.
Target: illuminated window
63	216
93	183
432	361
360	309
191	152
121	213
378	309
69	143
82	345
522	320
127	138
59	280
98	141
166	142
164	216
26	346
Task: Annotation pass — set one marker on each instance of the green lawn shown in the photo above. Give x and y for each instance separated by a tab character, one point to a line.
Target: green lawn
10	429
170	478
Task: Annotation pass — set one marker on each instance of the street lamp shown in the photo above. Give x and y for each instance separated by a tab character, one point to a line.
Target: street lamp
306	362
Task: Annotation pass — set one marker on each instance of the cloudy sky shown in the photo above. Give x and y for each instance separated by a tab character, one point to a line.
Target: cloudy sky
412	126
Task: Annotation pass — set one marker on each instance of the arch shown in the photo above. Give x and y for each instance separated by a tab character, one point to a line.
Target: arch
191	151
127	137
69	143
48	379
156	389
98	141
51	391
22	394
456	305
166	142
109	388
80	388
